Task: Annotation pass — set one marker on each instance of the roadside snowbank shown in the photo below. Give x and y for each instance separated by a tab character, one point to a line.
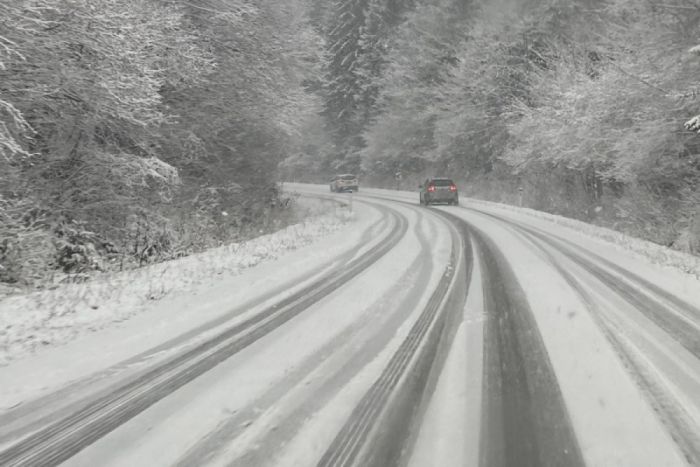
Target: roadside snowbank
656	253
50	317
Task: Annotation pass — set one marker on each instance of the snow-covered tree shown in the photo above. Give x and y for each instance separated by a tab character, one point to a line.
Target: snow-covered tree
117	115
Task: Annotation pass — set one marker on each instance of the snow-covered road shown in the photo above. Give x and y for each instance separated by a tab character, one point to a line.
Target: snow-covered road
441	336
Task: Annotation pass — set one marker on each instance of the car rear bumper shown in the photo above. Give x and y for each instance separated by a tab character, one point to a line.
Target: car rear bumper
442	198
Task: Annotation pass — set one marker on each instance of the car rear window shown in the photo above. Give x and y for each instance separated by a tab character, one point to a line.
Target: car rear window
348	177
442	182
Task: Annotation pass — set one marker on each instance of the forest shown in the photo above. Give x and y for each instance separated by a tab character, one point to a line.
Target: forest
134	131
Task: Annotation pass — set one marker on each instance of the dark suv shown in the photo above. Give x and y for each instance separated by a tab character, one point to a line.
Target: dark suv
439	190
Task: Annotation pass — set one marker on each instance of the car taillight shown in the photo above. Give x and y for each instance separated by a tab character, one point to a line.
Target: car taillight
431	188
453	187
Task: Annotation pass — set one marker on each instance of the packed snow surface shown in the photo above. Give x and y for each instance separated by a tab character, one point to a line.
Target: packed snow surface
283	399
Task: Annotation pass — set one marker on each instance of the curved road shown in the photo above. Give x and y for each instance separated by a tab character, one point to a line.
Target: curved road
431	336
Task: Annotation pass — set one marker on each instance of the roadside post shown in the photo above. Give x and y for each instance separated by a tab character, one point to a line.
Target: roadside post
520	196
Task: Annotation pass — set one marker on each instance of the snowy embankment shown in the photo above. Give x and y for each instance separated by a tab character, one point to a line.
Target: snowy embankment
657	254
39	319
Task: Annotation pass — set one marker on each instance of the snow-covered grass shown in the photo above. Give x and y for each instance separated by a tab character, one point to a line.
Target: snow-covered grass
657	254
49	317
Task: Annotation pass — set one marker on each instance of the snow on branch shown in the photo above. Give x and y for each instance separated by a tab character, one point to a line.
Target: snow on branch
693	124
12	119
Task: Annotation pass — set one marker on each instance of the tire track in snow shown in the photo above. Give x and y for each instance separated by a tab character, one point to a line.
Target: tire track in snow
524	420
39	412
515	375
680	320
376	432
681	426
383	321
69	435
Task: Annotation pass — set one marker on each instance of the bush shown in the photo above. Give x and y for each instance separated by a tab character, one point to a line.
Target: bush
78	250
